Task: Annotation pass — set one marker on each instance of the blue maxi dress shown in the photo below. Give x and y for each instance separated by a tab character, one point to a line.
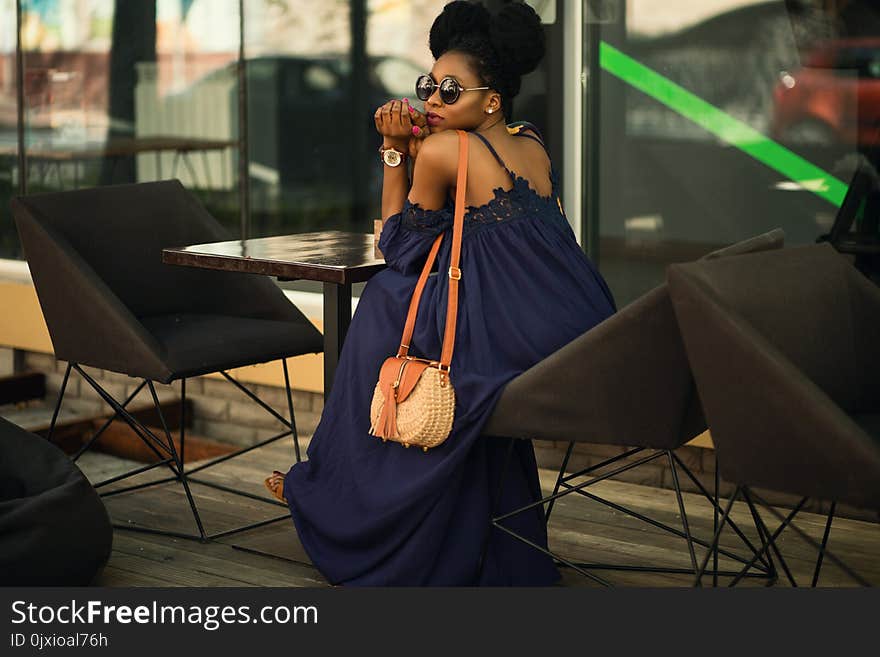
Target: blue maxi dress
376	514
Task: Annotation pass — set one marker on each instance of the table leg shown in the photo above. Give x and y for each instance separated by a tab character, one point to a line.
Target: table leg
337	318
207	164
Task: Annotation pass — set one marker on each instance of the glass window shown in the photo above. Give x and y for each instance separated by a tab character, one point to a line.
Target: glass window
300	117
719	120
863	61
119	92
316	73
396	76
9	167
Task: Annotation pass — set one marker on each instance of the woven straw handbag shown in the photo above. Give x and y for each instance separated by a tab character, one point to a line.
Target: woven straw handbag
413	402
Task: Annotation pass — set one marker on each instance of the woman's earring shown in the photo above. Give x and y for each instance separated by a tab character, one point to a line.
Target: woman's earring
490	110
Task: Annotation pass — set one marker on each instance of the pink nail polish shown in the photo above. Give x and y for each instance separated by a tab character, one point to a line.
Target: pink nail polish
416	130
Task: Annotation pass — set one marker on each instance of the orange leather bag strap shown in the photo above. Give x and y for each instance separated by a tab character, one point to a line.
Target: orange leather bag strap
454	272
410	325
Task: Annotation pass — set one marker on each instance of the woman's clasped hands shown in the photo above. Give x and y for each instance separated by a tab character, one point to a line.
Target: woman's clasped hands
402	126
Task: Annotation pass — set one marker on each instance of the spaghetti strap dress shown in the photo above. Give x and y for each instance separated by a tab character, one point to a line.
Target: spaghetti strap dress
371	513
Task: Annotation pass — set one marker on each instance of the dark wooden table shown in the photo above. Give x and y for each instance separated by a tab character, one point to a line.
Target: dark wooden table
335	258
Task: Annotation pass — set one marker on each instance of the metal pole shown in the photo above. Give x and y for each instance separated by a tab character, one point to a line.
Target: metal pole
243	141
591	148
19	75
360	94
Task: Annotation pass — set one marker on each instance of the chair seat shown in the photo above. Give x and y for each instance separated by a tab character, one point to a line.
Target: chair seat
196	344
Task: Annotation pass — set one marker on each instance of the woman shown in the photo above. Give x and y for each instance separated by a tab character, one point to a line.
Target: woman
374	513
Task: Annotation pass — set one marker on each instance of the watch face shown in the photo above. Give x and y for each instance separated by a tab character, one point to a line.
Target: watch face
391	157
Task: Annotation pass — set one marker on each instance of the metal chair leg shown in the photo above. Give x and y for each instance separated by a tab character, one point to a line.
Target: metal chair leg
153	442
766	539
186	477
580	488
559	477
809	540
684	519
293	432
715	525
713	499
724	516
168	456
762	527
91	441
182	474
495	521
824	544
183	420
58	403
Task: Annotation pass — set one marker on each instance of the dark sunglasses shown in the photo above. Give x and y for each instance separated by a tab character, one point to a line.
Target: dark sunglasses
450	89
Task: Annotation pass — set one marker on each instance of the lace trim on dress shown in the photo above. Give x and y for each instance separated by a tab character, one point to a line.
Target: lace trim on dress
432	222
518	202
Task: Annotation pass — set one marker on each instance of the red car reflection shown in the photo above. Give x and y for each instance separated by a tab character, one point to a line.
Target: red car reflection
834	98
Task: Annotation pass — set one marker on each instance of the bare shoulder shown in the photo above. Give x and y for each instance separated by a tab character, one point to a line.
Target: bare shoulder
441	145
534	142
439	152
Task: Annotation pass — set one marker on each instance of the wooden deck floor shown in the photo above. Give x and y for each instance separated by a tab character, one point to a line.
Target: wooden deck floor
580	529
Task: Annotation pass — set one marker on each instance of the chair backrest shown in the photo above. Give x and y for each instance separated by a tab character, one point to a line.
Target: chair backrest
625	382
774	239
863	182
798	299
95	256
119	232
783	348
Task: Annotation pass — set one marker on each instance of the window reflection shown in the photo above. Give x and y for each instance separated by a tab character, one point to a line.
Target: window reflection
742	98
834	97
8	135
117	91
105	85
310	106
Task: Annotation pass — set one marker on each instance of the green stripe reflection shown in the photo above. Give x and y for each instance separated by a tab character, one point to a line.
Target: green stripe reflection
722	125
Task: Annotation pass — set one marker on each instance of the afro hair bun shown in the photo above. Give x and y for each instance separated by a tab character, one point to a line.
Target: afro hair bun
458	19
514	32
516	35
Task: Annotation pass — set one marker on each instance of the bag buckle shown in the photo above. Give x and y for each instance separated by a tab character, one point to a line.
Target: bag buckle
455	273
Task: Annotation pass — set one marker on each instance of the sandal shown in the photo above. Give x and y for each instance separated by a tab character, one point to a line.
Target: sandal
275	485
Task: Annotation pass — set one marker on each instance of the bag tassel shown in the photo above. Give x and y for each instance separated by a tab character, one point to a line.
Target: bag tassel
386	426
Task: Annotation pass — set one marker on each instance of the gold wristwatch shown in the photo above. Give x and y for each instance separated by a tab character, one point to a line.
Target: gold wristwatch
391	156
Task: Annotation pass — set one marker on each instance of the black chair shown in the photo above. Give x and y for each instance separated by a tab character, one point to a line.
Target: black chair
855	230
625	382
784	351
109	302
54	529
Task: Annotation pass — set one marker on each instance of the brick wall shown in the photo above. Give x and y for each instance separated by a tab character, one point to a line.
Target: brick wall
221	412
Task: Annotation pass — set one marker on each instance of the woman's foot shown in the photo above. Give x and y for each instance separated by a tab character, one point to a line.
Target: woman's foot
275	484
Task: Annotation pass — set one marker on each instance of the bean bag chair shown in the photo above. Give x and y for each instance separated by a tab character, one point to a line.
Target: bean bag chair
54	529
